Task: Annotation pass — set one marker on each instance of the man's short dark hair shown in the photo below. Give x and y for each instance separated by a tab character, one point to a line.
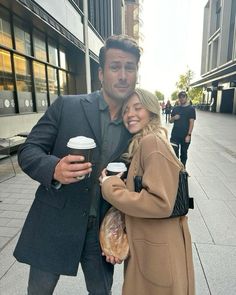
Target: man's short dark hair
122	42
182	94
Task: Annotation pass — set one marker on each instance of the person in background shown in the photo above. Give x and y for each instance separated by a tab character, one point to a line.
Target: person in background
183	117
163	107
61	229
160	260
168	108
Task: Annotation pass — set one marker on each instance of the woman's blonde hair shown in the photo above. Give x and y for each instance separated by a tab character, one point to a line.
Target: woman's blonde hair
151	103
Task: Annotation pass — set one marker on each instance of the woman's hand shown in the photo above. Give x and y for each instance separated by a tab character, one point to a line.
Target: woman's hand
112	259
103	176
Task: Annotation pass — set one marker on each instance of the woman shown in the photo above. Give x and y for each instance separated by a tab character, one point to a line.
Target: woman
160	260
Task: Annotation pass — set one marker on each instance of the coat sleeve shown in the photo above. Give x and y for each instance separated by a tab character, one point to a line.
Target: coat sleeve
157	198
34	156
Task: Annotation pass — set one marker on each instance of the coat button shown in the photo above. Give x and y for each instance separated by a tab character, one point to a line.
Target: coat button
86	190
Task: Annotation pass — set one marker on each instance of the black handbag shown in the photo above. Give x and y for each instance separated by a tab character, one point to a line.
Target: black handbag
182	203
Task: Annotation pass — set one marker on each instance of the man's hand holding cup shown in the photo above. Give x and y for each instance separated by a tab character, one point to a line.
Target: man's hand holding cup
77	165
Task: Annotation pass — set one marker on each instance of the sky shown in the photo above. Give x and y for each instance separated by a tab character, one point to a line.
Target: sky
172	32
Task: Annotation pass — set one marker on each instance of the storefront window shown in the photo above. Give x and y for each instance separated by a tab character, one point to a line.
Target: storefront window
23	75
63	82
63	63
52	81
22	40
5	29
40	46
53	53
52	84
6	79
40	86
23	84
40	77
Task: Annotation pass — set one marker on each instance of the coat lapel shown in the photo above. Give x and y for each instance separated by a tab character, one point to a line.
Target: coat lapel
91	110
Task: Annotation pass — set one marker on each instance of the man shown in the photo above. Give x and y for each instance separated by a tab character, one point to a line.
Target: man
183	116
61	229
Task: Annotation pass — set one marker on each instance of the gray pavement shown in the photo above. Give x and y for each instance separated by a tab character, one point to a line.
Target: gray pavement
212	166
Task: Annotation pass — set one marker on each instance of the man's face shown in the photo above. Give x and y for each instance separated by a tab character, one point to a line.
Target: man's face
119	75
183	99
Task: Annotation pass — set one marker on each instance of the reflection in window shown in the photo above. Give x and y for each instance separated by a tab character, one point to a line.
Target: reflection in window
53	53
40	77
63	82
22	39
40	46
6	79
23	75
5	29
63	63
52	81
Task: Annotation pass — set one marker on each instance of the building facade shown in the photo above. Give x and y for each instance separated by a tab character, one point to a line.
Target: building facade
218	66
133	20
50	48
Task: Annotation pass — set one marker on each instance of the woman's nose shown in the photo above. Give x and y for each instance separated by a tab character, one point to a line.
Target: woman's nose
130	113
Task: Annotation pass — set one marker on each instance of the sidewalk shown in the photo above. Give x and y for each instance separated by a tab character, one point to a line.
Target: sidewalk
212	166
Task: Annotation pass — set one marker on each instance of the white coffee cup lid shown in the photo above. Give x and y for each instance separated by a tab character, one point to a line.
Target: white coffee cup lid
116	167
81	142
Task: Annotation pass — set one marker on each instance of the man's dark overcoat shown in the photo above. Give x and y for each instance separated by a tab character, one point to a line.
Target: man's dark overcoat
54	232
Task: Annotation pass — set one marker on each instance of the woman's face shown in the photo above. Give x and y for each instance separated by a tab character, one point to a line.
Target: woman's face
135	115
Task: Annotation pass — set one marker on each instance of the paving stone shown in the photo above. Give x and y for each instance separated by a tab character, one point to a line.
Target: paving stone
13	214
219	265
215	188
3	242
220	221
6	231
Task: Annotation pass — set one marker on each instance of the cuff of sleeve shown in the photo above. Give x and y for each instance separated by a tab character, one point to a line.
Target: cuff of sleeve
56	184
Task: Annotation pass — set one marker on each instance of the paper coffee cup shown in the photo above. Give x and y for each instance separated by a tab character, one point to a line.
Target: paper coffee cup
83	146
115	168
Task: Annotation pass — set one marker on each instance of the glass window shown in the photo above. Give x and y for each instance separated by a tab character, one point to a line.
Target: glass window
63	82
23	84
209	55
215	54
79	3
40	86
63	63
40	46
53	53
22	39
40	77
218	14
6	78
5	29
52	81
23	74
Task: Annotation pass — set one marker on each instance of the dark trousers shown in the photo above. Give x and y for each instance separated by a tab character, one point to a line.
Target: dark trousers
97	272
181	148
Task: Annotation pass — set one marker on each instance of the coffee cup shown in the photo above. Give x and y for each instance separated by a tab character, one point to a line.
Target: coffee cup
83	146
114	168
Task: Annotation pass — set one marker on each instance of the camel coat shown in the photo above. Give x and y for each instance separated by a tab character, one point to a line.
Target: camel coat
160	260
